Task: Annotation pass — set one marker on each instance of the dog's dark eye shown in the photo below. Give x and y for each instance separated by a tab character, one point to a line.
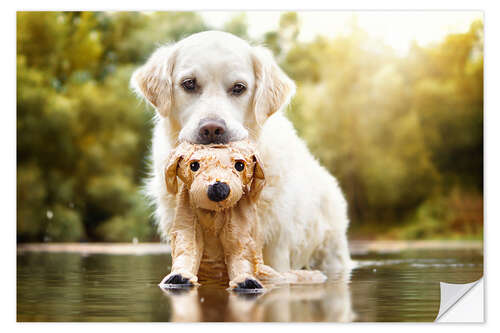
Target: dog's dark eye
239	166
238	89
194	166
189	84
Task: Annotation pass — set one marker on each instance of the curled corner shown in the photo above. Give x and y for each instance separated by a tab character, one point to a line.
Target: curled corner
451	294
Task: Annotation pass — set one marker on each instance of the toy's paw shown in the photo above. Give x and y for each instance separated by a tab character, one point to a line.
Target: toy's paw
246	285
249	284
177	280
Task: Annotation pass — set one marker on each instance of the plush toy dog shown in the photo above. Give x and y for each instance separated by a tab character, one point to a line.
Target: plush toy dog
215	233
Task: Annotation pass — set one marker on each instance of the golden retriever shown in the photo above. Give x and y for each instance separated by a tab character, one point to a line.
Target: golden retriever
213	87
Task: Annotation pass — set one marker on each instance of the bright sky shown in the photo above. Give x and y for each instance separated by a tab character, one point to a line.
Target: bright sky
395	28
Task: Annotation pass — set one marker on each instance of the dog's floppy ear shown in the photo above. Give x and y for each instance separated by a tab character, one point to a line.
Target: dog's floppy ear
182	151
273	88
153	80
259	179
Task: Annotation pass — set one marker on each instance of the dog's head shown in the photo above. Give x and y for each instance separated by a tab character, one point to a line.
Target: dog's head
214	86
217	176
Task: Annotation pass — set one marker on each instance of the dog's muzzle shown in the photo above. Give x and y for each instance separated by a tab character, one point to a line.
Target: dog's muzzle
218	191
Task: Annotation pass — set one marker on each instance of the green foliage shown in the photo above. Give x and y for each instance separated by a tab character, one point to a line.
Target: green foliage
64	225
125	227
399	132
403	134
448	94
459	215
237	25
31	195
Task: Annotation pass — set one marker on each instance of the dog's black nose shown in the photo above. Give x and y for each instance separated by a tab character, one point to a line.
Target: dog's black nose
218	191
212	131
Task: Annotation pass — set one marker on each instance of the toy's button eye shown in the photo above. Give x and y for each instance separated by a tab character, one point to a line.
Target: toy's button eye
239	166
194	166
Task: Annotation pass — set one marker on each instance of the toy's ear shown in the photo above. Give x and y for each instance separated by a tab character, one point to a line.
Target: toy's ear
273	88
171	169
259	179
171	174
153	80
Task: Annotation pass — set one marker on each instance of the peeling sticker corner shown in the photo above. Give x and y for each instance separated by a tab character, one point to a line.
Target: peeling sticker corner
452	294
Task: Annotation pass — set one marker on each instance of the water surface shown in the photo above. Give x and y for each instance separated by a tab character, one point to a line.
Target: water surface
402	286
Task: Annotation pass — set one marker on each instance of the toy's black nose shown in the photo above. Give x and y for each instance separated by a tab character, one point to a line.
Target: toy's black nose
218	191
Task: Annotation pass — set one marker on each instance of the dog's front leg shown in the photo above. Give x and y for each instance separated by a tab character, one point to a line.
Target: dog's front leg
242	248
186	240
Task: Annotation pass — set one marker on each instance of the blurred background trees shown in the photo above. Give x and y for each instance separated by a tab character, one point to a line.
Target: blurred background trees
403	134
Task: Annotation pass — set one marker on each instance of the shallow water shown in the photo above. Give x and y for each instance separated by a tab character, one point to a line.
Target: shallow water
401	286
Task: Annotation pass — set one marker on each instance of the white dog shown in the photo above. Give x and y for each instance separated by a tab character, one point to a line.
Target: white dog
215	87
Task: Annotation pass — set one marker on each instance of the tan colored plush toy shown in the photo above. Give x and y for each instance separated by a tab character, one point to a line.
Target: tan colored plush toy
215	233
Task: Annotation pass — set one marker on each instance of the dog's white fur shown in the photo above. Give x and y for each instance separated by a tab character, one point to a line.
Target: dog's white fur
302	209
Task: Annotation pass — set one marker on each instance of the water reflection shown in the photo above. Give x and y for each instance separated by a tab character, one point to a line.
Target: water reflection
330	302
402	286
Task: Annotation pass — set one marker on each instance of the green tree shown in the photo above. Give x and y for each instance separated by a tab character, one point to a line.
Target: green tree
82	136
